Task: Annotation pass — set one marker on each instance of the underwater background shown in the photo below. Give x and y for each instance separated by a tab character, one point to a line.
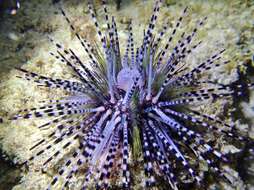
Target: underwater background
24	43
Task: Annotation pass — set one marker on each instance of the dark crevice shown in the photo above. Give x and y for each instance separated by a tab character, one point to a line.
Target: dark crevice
10	174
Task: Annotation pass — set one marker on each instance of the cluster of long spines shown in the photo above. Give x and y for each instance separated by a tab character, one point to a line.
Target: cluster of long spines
78	158
204	94
161	159
56	140
85	45
212	119
150	76
202	155
174	58
111	51
111	30
147	155
91	75
109	56
85	75
177	56
114	27
173	150
199	96
49	110
126	54
125	154
182	130
170	63
67	164
108	166
104	132
163	52
204	65
102	38
87	142
197	121
149	33
160	37
186	135
70	86
106	14
70	167
197	136
190	76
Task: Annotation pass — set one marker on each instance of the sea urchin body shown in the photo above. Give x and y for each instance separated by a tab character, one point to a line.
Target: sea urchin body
142	101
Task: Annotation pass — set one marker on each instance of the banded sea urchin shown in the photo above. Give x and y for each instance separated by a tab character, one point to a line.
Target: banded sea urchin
143	100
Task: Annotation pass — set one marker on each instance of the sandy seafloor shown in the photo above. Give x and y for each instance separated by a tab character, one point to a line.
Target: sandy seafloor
24	43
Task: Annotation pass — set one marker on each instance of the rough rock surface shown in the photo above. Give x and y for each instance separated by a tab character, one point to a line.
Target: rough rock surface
23	40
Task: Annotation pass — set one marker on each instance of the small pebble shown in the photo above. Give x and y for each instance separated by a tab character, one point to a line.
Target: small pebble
13	36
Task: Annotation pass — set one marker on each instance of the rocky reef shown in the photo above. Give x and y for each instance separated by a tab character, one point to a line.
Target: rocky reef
24	43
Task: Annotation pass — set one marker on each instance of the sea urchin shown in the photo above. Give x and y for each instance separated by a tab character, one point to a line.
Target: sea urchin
140	102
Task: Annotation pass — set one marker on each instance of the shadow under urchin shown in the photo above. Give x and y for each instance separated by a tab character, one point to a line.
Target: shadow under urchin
137	106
